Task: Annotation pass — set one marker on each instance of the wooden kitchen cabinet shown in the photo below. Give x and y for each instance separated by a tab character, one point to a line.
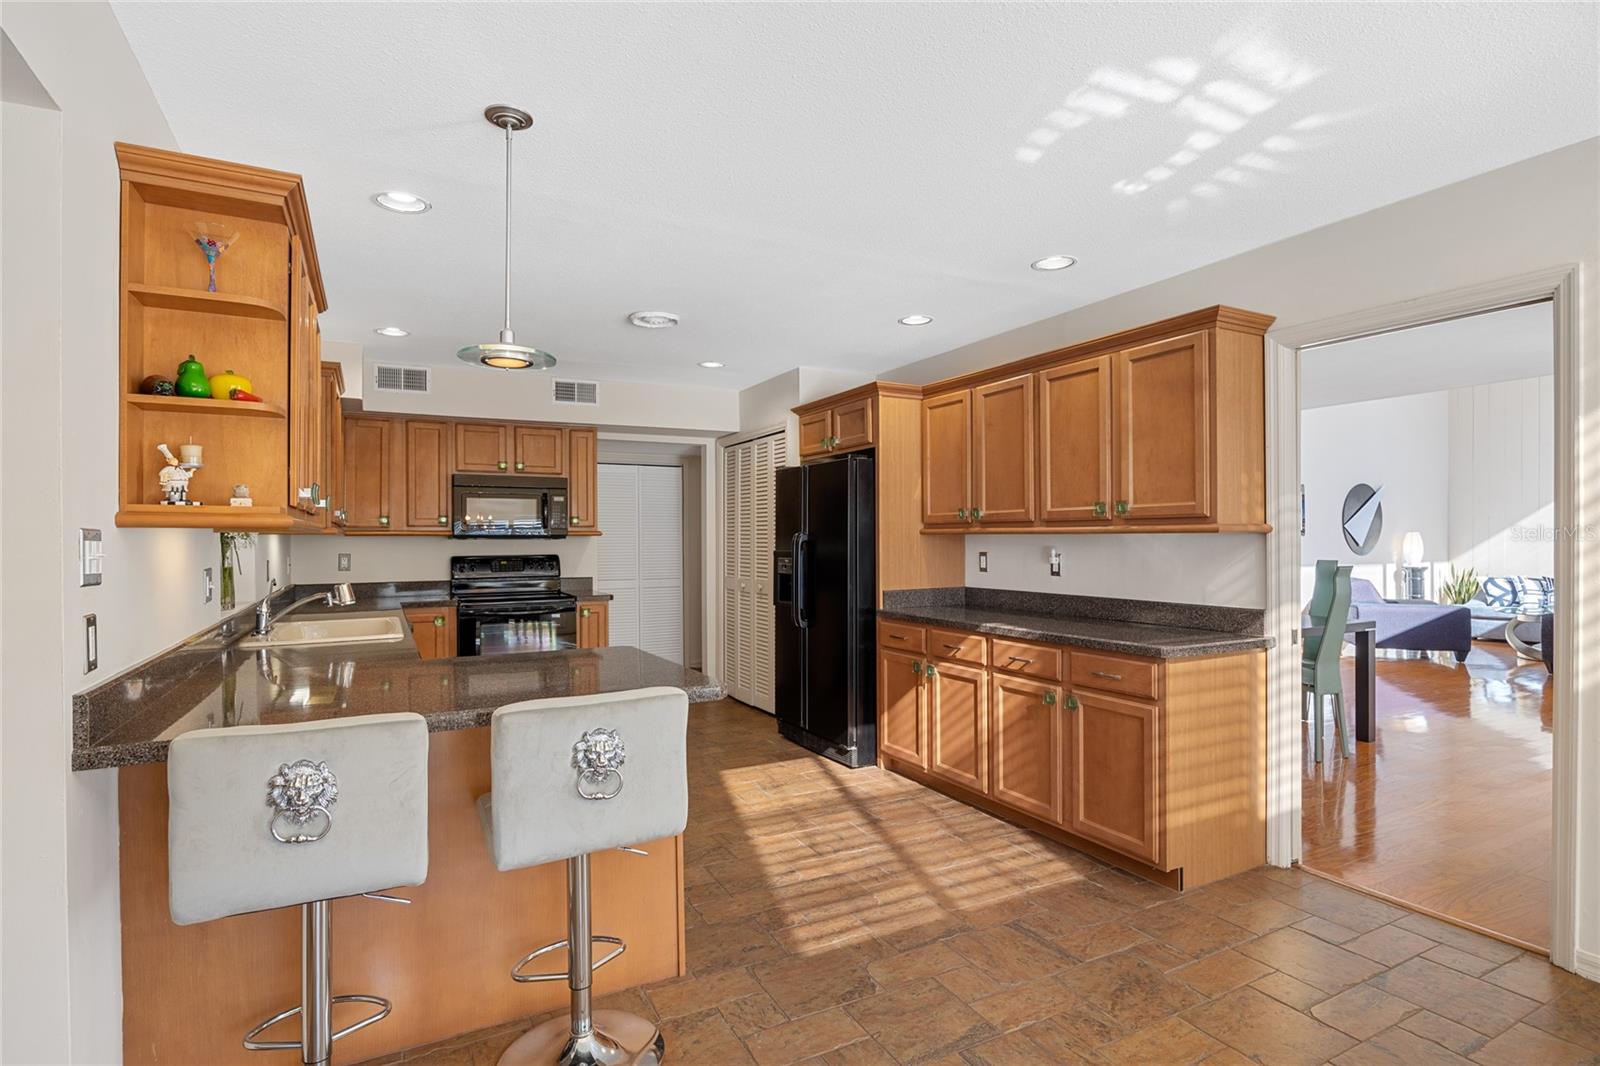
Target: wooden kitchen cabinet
333	515
368	472
1028	764
483	447
539	450
1003	452
434	631
306	490
583	477
947	459
594	623
1116	773
816	432
852	425
902	708
842	423
1165	463
958	723
1075	424
423	477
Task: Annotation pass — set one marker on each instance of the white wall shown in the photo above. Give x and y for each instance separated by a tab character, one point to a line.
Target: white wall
349	357
1221	569
479	392
1502	478
151	597
397	558
1402	444
1533	215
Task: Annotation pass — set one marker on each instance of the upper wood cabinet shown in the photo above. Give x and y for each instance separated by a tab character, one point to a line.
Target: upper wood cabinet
483	447
423	475
333	514
539	449
1157	429
947	458
1075	441
842	423
583	477
258	320
1003	451
1163	440
368	472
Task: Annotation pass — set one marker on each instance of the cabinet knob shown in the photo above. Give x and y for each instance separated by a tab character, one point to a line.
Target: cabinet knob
586	612
520	466
1099	508
501	464
444	520
1049	699
1072	703
916	667
383	520
438	620
977	513
961	513
1122	506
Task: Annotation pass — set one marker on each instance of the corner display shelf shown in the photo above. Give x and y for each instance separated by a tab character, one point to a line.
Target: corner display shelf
260	323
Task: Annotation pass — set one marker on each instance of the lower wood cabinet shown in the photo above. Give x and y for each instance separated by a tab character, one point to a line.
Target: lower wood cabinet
902	708
1115	762
594	624
1026	740
1158	764
958	723
434	631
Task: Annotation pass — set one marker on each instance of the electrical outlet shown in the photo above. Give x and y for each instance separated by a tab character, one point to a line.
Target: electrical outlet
208	585
1055	563
344	562
91	644
983	562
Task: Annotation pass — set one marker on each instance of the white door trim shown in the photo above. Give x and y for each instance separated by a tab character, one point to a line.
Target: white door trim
1572	719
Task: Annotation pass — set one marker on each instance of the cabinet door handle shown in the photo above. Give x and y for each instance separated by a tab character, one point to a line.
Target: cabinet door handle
520	466
916	667
1018	659
1099	508
1072	703
383	520
1106	675
953	647
977	513
897	636
438	620
444	520
1122	506
1049	699
961	513
586	612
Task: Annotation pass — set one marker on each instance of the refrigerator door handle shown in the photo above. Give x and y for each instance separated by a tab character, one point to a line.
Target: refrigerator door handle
797	601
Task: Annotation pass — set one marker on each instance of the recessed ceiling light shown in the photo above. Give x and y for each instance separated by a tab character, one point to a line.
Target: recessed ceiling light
653	319
711	364
1053	262
392	331
916	320
404	202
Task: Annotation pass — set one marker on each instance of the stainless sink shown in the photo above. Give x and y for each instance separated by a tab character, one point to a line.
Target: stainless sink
372	629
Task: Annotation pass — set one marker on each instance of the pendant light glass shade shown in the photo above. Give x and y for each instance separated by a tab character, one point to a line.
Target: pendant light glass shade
506	353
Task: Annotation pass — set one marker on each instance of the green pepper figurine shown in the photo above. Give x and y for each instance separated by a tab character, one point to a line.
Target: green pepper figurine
192	380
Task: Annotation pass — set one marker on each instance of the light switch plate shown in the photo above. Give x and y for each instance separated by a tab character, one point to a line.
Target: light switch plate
983	562
344	562
91	557
208	584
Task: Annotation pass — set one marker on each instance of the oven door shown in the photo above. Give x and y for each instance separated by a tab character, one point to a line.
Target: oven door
508	505
490	630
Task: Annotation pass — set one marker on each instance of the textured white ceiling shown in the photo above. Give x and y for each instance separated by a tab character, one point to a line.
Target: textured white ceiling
1501	346
791	178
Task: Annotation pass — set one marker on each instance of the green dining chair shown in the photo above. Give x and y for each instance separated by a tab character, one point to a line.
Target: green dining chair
1319	662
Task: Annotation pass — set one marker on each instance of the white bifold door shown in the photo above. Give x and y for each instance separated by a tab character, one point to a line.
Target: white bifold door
641	556
748	503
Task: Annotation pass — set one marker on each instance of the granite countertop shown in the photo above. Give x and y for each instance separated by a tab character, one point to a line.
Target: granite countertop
212	682
1132	627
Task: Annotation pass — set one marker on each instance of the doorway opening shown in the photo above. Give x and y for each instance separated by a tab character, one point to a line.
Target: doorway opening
1427	477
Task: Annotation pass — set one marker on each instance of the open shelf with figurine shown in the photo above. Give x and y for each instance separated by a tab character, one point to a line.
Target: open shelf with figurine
219	276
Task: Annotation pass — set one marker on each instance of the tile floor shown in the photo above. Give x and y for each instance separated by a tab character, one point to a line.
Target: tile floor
851	918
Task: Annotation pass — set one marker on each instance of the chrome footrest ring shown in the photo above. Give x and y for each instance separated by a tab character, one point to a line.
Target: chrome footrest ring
562	975
252	1044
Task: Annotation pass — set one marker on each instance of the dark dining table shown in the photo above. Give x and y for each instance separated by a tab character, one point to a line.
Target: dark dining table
1363	632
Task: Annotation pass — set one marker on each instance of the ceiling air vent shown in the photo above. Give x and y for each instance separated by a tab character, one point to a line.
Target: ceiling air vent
401	378
577	392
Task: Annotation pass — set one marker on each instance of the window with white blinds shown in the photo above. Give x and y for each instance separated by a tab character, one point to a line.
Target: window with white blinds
748	503
640	560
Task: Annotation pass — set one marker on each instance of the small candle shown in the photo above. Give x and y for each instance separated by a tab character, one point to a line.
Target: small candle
190	453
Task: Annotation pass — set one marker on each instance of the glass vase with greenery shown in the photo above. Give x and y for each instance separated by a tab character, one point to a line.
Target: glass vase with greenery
1460	587
231	543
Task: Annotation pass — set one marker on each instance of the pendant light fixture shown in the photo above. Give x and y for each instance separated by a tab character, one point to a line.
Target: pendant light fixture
506	353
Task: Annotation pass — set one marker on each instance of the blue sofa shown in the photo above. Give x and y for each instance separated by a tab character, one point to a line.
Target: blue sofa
1407	625
1499	600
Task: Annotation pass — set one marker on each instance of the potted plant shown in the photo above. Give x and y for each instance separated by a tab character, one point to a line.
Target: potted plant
1460	587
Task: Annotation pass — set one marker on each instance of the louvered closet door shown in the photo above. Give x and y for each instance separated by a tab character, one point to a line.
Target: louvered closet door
748	505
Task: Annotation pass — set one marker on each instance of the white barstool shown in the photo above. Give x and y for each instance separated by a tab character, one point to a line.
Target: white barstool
574	776
273	816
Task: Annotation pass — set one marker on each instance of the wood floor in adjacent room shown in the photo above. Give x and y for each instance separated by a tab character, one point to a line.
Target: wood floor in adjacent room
1449	808
852	918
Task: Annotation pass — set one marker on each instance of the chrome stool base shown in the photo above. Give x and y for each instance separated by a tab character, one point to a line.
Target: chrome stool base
617	1039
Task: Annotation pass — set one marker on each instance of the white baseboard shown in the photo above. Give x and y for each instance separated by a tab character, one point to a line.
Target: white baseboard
1586	964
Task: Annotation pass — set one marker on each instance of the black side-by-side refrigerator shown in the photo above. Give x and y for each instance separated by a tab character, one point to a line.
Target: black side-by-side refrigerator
824	594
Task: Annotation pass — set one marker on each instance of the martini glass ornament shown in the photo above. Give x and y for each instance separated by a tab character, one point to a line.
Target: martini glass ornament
214	238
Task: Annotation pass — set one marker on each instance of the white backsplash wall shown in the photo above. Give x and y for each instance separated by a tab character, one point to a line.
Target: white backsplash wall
1219	569
387	557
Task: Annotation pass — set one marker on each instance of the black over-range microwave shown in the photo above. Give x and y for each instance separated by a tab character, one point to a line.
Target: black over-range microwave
508	505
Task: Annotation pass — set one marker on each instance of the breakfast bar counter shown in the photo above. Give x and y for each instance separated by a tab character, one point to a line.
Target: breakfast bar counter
190	992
